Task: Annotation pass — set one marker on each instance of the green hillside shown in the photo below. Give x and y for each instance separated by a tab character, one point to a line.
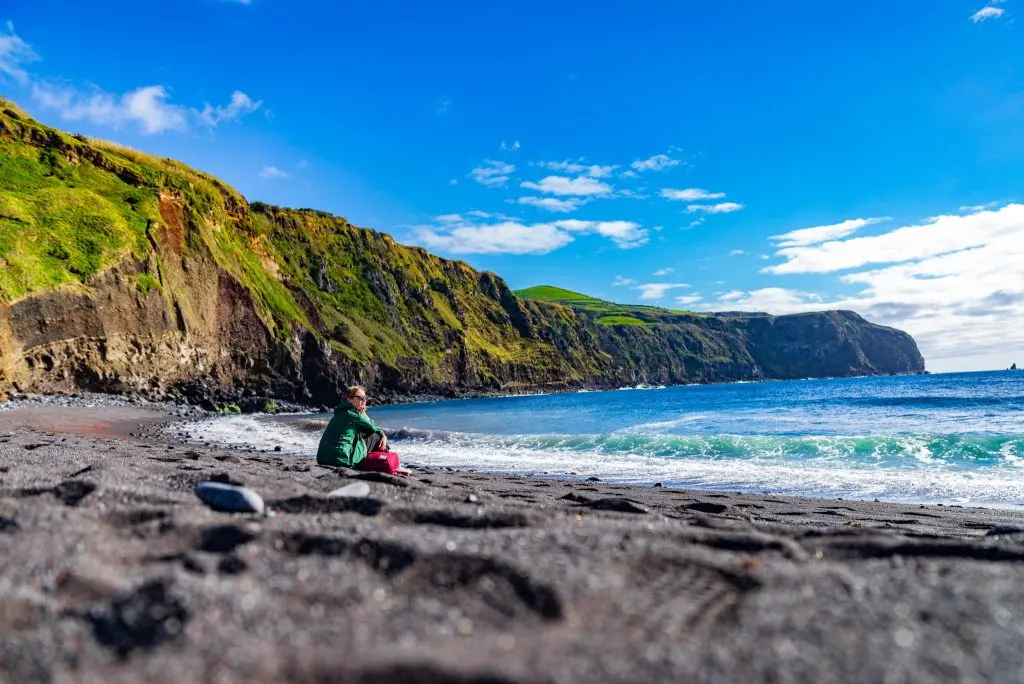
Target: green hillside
120	270
608	313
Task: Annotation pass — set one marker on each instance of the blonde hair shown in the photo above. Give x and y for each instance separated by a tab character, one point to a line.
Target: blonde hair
353	390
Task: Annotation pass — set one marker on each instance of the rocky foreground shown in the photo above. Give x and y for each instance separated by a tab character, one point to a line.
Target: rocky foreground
113	570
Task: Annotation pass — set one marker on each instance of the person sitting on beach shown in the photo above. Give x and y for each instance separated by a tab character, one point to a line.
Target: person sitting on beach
351	434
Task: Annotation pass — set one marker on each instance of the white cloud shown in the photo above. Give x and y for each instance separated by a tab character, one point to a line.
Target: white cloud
697	222
773	300
514	147
737	252
453	181
240	105
496	234
443	105
272	173
146	107
449	218
663	272
812	236
552	203
567	166
620	281
598	171
987	13
941	235
656	291
560	185
577	168
658	162
629	174
977	207
688	300
15	53
506	237
691	194
492	173
721	208
956	283
625	234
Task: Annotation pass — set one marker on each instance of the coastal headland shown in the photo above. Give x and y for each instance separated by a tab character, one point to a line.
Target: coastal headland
125	272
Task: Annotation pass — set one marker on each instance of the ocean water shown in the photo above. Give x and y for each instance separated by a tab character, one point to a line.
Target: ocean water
950	438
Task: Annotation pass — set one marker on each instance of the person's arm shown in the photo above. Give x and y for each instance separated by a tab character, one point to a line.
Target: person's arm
364	424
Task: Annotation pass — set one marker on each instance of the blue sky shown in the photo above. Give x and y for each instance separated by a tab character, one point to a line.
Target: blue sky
761	156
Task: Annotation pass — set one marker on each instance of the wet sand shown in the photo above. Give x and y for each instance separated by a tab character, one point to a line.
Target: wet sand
114	571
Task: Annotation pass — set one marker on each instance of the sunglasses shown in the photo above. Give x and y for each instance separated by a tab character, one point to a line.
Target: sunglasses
360	396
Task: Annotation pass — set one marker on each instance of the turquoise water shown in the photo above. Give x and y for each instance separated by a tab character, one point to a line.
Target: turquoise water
952	438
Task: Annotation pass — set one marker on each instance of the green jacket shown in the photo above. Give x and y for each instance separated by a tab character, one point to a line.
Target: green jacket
341	444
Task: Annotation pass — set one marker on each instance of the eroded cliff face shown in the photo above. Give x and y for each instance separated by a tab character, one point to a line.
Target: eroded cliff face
122	272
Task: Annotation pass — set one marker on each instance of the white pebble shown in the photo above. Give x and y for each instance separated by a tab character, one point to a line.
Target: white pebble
355	490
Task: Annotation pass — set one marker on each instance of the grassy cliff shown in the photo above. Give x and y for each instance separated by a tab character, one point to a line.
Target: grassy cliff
119	270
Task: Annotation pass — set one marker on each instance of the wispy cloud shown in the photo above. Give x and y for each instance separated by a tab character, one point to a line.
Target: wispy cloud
510	147
240	105
272	173
581	186
817	234
940	235
773	300
623	282
737	252
658	162
443	105
689	300
663	272
148	107
552	203
722	208
691	194
655	291
577	168
15	54
458	234
987	13
697	222
492	173
625	234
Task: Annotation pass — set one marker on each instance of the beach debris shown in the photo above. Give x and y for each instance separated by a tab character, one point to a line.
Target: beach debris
354	491
228	498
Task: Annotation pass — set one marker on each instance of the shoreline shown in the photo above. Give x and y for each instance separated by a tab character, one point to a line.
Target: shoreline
123	574
164	398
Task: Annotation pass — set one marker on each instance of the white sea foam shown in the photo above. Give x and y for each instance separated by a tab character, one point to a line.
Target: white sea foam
901	468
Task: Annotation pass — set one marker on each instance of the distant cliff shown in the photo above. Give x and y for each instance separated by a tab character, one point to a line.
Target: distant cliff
124	272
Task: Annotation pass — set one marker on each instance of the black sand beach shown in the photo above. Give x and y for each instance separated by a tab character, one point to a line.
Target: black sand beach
114	571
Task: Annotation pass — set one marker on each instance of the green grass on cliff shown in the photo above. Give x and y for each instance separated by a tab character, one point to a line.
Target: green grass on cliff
621	320
71	207
61	223
608	313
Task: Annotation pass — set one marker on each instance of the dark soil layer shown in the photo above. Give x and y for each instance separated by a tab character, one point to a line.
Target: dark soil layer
112	570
